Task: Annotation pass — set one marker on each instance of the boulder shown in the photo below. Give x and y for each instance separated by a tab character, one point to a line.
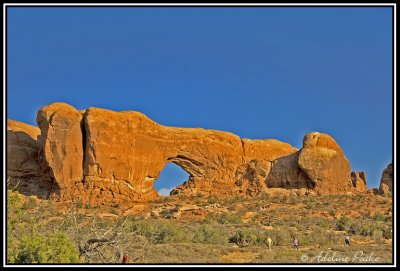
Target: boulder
386	185
325	164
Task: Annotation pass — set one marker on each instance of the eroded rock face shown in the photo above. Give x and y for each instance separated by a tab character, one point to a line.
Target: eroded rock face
102	156
386	185
250	177
61	141
126	151
286	173
323	161
23	167
359	180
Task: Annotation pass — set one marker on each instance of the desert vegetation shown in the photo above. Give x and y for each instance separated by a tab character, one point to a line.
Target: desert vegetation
182	229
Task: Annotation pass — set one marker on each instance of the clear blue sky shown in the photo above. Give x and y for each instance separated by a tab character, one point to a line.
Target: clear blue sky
256	72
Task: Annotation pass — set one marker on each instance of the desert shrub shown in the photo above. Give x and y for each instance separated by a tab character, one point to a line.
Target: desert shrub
212	200
279	237
294	199
55	248
243	238
223	218
27	242
310	205
160	231
30	203
208	234
323	223
343	223
199	196
379	216
387	232
277	198
319	238
265	197
14	215
79	204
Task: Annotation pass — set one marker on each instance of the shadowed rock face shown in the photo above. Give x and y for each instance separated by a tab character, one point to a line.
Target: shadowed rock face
386	185
102	156
24	171
286	173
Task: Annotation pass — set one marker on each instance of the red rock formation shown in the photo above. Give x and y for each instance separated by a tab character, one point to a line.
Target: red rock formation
386	185
286	173
109	157
23	167
359	180
61	141
323	161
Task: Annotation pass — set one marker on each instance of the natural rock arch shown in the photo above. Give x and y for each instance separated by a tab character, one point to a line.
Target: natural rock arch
102	156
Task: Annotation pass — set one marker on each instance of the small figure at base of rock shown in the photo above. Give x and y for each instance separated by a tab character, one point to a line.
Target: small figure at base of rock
347	240
269	242
125	259
296	243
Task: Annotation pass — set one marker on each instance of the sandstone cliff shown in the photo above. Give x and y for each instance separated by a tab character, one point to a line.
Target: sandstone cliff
102	156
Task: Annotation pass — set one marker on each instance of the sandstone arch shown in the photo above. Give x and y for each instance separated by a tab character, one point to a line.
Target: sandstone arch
170	177
102	156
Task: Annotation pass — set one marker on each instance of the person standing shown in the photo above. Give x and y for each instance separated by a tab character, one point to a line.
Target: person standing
347	240
125	259
269	242
296	243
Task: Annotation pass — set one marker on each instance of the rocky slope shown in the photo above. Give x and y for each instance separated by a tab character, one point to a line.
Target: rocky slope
102	156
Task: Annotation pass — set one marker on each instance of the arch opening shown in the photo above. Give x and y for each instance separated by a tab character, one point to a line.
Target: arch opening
170	177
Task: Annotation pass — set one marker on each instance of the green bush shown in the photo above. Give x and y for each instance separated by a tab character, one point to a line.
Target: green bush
212	200
379	216
319	237
55	248
208	234
343	223
310	205
243	238
223	218
24	242
160	231
79	204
